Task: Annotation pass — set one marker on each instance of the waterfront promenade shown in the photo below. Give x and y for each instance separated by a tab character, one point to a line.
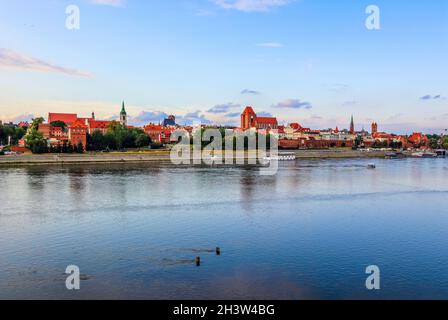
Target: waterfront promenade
151	156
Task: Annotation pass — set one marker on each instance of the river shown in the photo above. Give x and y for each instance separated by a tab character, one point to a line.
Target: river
308	232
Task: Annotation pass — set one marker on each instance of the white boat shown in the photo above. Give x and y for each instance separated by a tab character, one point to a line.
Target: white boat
417	154
281	157
429	155
424	155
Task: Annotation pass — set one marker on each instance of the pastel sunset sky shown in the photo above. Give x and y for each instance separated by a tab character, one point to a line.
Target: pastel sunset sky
307	61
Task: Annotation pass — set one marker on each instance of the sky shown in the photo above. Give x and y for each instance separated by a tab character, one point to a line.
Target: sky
309	61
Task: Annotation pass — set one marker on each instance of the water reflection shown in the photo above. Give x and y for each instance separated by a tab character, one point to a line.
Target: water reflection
307	232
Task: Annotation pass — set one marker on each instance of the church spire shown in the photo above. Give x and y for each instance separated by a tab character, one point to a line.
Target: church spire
352	126
123	116
123	110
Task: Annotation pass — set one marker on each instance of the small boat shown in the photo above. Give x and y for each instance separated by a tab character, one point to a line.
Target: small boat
417	154
281	157
391	155
395	155
371	166
441	152
429	155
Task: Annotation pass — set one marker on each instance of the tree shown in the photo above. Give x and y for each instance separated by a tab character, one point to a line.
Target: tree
79	148
358	141
96	141
434	143
11	134
445	143
142	140
59	124
35	140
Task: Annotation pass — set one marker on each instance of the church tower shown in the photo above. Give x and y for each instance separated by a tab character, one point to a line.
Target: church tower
123	116
352	126
374	128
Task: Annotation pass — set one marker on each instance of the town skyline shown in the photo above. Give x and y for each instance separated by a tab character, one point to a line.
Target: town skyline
206	60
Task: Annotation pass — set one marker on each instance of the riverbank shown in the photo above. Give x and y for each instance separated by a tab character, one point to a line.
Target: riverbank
132	157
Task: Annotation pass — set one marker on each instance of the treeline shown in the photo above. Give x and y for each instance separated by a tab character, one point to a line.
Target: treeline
234	140
117	137
438	142
7	131
384	144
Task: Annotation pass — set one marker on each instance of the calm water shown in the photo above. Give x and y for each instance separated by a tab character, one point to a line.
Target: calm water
308	232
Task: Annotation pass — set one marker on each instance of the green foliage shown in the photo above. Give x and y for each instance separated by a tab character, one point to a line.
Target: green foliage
34	139
380	144
118	137
36	123
434	143
156	145
60	124
7	131
445	143
142	140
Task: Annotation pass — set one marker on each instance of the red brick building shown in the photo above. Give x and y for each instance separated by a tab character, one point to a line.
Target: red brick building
250	120
77	133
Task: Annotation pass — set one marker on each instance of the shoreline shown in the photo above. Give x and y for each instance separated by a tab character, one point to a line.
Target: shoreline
139	157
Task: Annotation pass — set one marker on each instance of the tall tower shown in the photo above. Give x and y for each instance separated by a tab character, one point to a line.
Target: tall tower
248	118
123	116
352	126
374	128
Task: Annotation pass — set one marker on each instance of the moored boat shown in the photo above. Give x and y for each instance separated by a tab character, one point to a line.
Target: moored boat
441	153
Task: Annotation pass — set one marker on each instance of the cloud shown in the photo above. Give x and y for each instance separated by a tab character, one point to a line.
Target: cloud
193	118
146	117
14	60
233	115
293	104
270	45
251	5
18	118
430	97
264	114
248	91
113	3
223	108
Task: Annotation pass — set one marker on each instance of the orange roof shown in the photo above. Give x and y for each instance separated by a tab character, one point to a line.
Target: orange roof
153	127
99	124
68	118
78	124
268	120
382	135
295	126
248	109
23	124
417	137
